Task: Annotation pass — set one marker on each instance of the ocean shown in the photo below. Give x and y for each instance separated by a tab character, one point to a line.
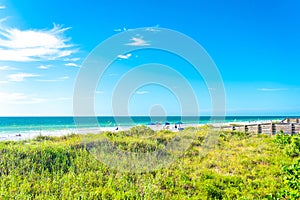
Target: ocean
44	125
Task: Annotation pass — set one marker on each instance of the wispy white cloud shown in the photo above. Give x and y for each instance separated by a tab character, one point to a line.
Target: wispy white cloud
2	7
113	74
141	92
44	66
71	59
71	65
138	41
19	77
48	80
124	56
153	29
99	92
63	99
117	30
29	45
3	20
54	80
64	77
12	96
19	98
271	89
7	68
122	29
31	101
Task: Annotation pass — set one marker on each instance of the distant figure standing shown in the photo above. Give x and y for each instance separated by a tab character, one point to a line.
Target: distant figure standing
175	126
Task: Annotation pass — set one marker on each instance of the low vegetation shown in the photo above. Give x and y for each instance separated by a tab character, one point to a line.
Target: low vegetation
240	166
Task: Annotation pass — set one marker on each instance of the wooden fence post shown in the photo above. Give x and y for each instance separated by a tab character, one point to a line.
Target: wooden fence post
273	128
246	128
258	128
292	129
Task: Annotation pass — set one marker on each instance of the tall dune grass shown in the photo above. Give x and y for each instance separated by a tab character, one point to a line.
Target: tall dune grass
240	166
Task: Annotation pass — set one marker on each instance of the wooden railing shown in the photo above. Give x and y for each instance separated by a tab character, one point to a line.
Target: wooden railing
289	126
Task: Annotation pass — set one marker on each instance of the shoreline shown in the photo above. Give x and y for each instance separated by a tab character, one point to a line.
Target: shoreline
31	134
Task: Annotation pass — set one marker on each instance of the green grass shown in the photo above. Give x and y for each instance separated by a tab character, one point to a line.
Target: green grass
240	166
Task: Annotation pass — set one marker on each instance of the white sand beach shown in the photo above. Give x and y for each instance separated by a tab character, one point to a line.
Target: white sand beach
33	134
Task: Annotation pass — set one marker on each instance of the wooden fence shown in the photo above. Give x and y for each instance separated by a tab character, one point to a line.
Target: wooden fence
272	128
291	120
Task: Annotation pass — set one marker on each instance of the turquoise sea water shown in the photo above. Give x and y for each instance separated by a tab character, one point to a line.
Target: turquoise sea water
23	125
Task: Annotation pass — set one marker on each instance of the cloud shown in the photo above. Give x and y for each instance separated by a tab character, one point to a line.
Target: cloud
153	29
141	92
48	80
19	77
54	80
31	45
71	59
19	98
63	99
64	78
122	29
71	65
113	74
271	89
44	67
124	56
135	41
7	68
99	92
3	20
2	7
12	96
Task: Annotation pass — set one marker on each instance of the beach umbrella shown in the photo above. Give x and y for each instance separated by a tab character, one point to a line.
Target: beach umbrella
179	123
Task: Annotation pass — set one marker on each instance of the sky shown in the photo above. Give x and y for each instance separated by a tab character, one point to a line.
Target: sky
253	43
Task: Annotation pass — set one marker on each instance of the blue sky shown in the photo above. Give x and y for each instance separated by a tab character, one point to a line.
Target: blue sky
255	45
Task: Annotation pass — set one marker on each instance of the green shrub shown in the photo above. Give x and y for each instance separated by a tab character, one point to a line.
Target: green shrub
293	148
291	177
282	139
290	143
141	130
